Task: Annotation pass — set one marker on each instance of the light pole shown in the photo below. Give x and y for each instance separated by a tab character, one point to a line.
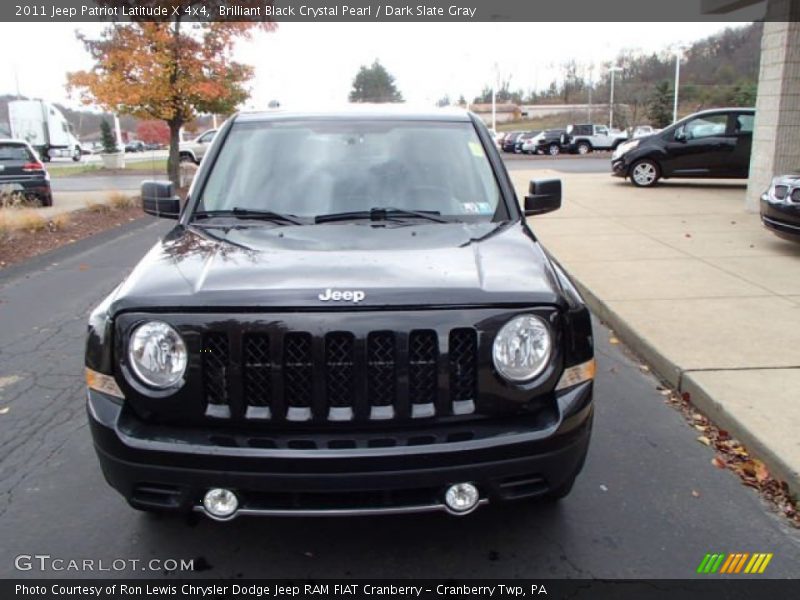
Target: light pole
678	55
494	96
612	70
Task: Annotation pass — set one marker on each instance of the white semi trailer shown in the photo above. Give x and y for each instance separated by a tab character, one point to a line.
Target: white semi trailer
44	127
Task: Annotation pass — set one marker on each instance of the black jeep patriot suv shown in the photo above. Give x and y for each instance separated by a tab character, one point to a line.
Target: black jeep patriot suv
351	316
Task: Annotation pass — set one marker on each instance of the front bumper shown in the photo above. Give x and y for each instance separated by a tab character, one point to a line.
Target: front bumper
165	468
619	167
783	219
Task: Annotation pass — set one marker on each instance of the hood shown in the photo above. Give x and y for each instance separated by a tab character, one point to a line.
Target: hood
342	265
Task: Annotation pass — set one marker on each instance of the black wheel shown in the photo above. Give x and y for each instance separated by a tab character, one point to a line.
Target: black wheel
583	147
554	150
186	158
46	200
645	173
76	154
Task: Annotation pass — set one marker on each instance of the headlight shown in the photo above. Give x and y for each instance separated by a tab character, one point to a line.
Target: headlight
522	348
625	147
157	354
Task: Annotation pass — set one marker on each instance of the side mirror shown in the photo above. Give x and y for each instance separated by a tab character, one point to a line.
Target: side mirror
543	197
159	200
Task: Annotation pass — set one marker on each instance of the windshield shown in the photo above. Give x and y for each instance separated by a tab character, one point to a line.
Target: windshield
314	168
14	152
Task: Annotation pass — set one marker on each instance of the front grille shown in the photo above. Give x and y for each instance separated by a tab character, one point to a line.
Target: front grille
297	373
463	369
340	376
257	375
423	355
216	362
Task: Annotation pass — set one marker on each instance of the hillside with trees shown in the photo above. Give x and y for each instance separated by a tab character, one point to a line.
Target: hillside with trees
720	70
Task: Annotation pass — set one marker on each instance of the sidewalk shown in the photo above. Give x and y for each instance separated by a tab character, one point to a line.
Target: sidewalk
699	289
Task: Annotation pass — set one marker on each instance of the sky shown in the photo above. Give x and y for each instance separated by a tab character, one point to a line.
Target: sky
304	63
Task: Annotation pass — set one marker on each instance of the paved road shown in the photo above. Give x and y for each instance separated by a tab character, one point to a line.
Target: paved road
600	163
631	514
94	183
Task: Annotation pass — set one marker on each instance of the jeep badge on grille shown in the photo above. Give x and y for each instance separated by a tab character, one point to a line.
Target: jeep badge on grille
354	296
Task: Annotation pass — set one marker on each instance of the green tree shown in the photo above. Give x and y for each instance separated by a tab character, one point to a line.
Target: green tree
108	139
659	110
374	84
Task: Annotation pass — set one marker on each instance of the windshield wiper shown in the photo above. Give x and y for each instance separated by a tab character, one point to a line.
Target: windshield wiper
381	214
248	213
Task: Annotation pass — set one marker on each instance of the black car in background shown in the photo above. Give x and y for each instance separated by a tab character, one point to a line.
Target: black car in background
135	146
22	173
714	143
780	207
549	142
510	141
380	333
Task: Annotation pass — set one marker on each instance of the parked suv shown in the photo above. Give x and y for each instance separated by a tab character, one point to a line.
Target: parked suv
712	143
195	150
380	332
583	139
22	173
546	142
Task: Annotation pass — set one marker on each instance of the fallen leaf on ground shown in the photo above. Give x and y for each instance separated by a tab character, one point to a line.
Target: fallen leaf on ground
718	462
644	368
762	473
613	340
704	440
3	410
695	493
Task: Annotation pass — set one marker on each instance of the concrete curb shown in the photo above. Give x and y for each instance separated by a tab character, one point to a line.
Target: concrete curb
683	381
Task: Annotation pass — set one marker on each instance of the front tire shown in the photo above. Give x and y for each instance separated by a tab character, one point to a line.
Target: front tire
554	150
584	147
645	173
76	154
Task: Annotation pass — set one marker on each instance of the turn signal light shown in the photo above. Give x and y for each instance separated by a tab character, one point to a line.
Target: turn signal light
103	383
578	374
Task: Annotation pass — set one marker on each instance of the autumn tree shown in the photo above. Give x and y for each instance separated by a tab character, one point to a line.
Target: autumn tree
374	84
169	70
153	132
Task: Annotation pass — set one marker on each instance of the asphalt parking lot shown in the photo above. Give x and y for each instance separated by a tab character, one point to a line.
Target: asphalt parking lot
649	503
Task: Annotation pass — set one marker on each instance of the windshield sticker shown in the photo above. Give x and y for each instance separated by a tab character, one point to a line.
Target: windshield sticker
476	149
485	208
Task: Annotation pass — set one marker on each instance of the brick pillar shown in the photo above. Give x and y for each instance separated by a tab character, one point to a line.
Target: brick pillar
776	139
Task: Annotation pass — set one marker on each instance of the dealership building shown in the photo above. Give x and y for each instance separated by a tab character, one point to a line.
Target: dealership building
776	139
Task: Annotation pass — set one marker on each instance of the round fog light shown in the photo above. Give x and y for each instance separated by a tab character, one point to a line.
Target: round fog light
220	503
461	497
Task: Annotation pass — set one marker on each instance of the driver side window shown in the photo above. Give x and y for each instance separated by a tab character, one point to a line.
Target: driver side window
703	127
